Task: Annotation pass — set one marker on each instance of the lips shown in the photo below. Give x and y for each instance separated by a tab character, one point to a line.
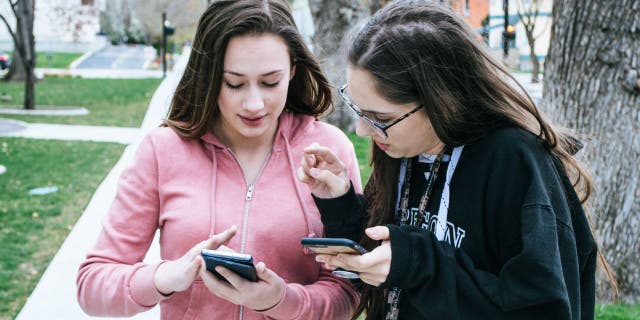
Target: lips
382	145
252	121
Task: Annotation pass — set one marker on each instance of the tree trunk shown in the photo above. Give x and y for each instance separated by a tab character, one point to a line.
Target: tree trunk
375	5
535	64
333	21
24	55
27	9
591	45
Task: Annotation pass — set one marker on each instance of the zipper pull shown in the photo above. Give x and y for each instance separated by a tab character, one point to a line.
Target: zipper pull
250	192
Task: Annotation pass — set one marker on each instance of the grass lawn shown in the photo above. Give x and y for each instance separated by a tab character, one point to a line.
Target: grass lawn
618	312
32	228
58	60
111	102
362	146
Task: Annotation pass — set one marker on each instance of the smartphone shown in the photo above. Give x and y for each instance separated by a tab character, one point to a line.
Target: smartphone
334	246
240	263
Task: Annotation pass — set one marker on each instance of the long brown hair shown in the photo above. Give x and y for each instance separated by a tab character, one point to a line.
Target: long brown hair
422	52
194	106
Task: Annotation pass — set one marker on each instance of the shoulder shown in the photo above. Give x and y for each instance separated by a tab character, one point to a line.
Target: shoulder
327	130
163	134
510	138
509	143
165	140
321	132
507	154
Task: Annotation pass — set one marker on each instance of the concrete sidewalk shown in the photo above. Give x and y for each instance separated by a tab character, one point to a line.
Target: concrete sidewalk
55	295
71	132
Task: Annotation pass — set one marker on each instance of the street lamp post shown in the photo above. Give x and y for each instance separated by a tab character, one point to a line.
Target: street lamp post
167	30
505	41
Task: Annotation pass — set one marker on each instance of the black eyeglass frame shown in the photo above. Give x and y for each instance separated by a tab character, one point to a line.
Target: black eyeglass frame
378	127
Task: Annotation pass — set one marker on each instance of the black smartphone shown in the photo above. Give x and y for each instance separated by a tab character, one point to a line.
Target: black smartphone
240	263
334	246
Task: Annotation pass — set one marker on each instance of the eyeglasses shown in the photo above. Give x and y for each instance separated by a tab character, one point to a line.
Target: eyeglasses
377	127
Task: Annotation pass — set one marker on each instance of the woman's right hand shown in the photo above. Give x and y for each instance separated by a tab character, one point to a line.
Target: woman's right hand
372	267
325	174
177	275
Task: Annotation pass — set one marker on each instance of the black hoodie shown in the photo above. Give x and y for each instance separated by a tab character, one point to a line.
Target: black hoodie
518	243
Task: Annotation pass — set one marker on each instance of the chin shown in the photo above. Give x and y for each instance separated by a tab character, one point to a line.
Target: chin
394	155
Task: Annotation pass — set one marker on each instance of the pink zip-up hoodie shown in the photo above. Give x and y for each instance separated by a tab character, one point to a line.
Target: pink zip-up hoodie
192	189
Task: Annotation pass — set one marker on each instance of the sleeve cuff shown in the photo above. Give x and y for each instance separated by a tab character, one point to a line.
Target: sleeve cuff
332	210
401	257
142	286
290	305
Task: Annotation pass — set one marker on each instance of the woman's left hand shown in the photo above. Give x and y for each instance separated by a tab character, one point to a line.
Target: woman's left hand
373	267
261	295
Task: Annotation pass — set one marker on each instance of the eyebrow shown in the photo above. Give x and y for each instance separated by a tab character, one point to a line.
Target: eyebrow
263	75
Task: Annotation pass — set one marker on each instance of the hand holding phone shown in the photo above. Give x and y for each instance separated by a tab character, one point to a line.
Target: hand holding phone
240	263
335	246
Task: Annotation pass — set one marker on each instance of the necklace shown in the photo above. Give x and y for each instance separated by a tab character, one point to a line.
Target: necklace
393	300
393	297
424	200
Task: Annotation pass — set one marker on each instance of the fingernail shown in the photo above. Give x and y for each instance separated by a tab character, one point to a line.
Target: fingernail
314	171
310	159
319	259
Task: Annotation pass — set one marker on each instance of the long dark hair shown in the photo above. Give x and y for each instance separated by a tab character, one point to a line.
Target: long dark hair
195	103
422	52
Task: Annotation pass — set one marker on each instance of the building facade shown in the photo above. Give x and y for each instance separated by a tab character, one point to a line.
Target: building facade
59	25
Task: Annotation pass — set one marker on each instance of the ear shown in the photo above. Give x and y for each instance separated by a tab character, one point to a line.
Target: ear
293	72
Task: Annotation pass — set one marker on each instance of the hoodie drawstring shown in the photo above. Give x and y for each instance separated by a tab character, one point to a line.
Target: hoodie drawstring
214	174
296	183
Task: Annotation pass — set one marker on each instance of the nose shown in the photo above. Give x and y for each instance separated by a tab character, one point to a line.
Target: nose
254	100
363	129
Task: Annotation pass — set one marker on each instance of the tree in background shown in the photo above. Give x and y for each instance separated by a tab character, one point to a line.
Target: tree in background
183	15
119	24
75	18
24	55
528	11
375	5
591	86
333	20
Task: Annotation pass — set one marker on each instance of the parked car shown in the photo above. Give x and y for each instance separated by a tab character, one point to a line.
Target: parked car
4	60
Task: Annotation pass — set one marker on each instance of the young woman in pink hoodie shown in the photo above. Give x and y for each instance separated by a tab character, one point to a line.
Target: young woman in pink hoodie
222	171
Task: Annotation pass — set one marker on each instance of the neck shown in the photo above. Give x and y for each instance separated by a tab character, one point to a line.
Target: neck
251	154
434	149
241	145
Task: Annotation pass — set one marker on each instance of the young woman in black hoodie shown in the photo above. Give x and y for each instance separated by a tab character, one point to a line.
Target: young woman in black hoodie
474	207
